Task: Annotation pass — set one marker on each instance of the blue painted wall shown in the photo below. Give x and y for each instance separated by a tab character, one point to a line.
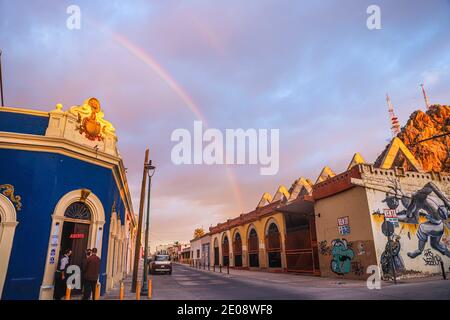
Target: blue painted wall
23	123
41	179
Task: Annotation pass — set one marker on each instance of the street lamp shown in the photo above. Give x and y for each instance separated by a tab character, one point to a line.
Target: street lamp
150	171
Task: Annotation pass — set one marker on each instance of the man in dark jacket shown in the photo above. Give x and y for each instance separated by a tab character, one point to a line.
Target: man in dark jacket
83	267
91	273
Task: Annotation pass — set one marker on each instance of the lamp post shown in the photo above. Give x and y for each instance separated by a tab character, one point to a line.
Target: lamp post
137	250
151	171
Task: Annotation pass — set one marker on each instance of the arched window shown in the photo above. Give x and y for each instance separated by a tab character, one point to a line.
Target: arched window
78	210
225	251
237	250
273	246
253	249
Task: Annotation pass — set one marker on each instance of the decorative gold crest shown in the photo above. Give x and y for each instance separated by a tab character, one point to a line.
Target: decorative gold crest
9	193
89	125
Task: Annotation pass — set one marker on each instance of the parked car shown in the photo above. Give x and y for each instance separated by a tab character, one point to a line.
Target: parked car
160	263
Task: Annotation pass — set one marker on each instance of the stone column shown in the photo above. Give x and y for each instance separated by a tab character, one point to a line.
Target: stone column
244	256
283	252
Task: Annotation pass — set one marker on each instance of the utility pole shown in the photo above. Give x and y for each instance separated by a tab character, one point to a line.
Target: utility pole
1	80
151	172
137	250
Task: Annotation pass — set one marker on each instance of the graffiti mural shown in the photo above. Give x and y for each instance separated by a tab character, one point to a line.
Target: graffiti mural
432	204
414	222
342	256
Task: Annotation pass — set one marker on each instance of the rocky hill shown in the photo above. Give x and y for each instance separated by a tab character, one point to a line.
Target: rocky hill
432	154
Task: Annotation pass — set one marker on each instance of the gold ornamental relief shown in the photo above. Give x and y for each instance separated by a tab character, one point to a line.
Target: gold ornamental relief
8	191
91	120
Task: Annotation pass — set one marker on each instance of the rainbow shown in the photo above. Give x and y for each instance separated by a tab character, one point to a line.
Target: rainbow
151	62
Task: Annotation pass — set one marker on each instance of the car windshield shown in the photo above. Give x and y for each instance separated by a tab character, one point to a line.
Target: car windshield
162	258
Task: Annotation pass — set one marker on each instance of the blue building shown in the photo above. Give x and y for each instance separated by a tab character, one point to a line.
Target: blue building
62	185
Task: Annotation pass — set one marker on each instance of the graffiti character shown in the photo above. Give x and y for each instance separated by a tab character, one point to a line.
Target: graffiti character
431	203
342	256
386	264
361	249
323	248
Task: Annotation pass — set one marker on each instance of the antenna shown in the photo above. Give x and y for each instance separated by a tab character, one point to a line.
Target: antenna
395	128
427	102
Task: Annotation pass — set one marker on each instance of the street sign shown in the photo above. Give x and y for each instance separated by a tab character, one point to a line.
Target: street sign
391	216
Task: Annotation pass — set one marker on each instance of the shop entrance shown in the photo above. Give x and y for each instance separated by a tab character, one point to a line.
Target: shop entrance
75	233
75	237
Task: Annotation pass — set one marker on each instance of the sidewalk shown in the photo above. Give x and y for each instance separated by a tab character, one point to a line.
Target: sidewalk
113	294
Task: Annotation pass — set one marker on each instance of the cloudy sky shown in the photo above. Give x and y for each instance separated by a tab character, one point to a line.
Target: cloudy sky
313	71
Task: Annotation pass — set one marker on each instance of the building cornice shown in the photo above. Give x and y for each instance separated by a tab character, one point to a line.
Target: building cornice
25	111
35	143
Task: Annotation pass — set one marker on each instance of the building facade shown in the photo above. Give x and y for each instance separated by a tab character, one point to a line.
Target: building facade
278	236
63	186
172	251
384	216
390	217
200	250
184	255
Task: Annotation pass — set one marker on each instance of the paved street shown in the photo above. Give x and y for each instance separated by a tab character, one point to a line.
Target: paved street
193	284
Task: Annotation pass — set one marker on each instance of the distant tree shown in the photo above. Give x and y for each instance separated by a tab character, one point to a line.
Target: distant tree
199	232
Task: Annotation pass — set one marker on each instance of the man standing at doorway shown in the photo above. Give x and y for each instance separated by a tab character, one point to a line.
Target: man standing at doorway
60	276
91	274
83	267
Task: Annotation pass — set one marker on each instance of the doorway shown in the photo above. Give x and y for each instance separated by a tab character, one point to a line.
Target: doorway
75	234
75	237
301	243
79	207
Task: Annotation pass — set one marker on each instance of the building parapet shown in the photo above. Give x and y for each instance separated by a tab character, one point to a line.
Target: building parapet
246	217
336	184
